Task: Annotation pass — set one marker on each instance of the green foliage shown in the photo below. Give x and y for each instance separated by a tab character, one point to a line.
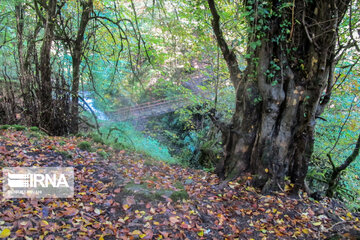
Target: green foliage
189	136
85	146
336	136
80	134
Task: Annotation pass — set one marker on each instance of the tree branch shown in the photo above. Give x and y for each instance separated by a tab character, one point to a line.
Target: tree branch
229	55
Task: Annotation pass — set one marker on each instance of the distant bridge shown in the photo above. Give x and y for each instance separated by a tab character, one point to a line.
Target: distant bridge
149	109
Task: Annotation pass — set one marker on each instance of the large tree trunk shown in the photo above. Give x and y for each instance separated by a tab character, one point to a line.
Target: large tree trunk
77	52
281	91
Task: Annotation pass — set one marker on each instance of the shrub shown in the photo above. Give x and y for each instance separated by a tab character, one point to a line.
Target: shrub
85	146
80	134
97	138
118	146
103	154
4	127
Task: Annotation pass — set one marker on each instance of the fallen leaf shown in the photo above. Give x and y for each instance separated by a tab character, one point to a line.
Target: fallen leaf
5	233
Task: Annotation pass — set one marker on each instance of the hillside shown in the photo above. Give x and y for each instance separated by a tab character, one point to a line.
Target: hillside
124	195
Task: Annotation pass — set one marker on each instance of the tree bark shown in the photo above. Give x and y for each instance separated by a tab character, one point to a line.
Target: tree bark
45	68
281	90
26	78
77	53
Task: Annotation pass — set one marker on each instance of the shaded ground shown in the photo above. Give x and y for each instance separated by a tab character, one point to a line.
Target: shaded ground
125	196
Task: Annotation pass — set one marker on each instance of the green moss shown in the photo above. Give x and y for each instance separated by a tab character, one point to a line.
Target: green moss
179	185
18	127
179	195
66	154
34	129
143	192
5	127
85	146
103	154
34	135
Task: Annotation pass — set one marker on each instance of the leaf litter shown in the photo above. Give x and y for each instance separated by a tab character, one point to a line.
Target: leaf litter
129	196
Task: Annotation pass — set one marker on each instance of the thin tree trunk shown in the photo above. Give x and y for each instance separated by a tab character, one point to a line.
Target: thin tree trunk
45	68
77	53
334	179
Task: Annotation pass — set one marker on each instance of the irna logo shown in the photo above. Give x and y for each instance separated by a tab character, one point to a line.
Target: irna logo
38	182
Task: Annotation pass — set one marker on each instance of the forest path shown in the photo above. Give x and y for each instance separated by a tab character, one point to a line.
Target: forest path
126	195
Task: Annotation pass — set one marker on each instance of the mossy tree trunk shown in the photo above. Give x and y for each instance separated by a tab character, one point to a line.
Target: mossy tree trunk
285	86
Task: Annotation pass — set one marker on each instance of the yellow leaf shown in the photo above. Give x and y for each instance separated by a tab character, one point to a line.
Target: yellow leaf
305	230
349	214
266	170
142	235
101	237
44	223
136	232
5	233
317	223
201	233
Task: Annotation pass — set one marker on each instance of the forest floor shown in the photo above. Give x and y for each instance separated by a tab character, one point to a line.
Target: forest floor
124	195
